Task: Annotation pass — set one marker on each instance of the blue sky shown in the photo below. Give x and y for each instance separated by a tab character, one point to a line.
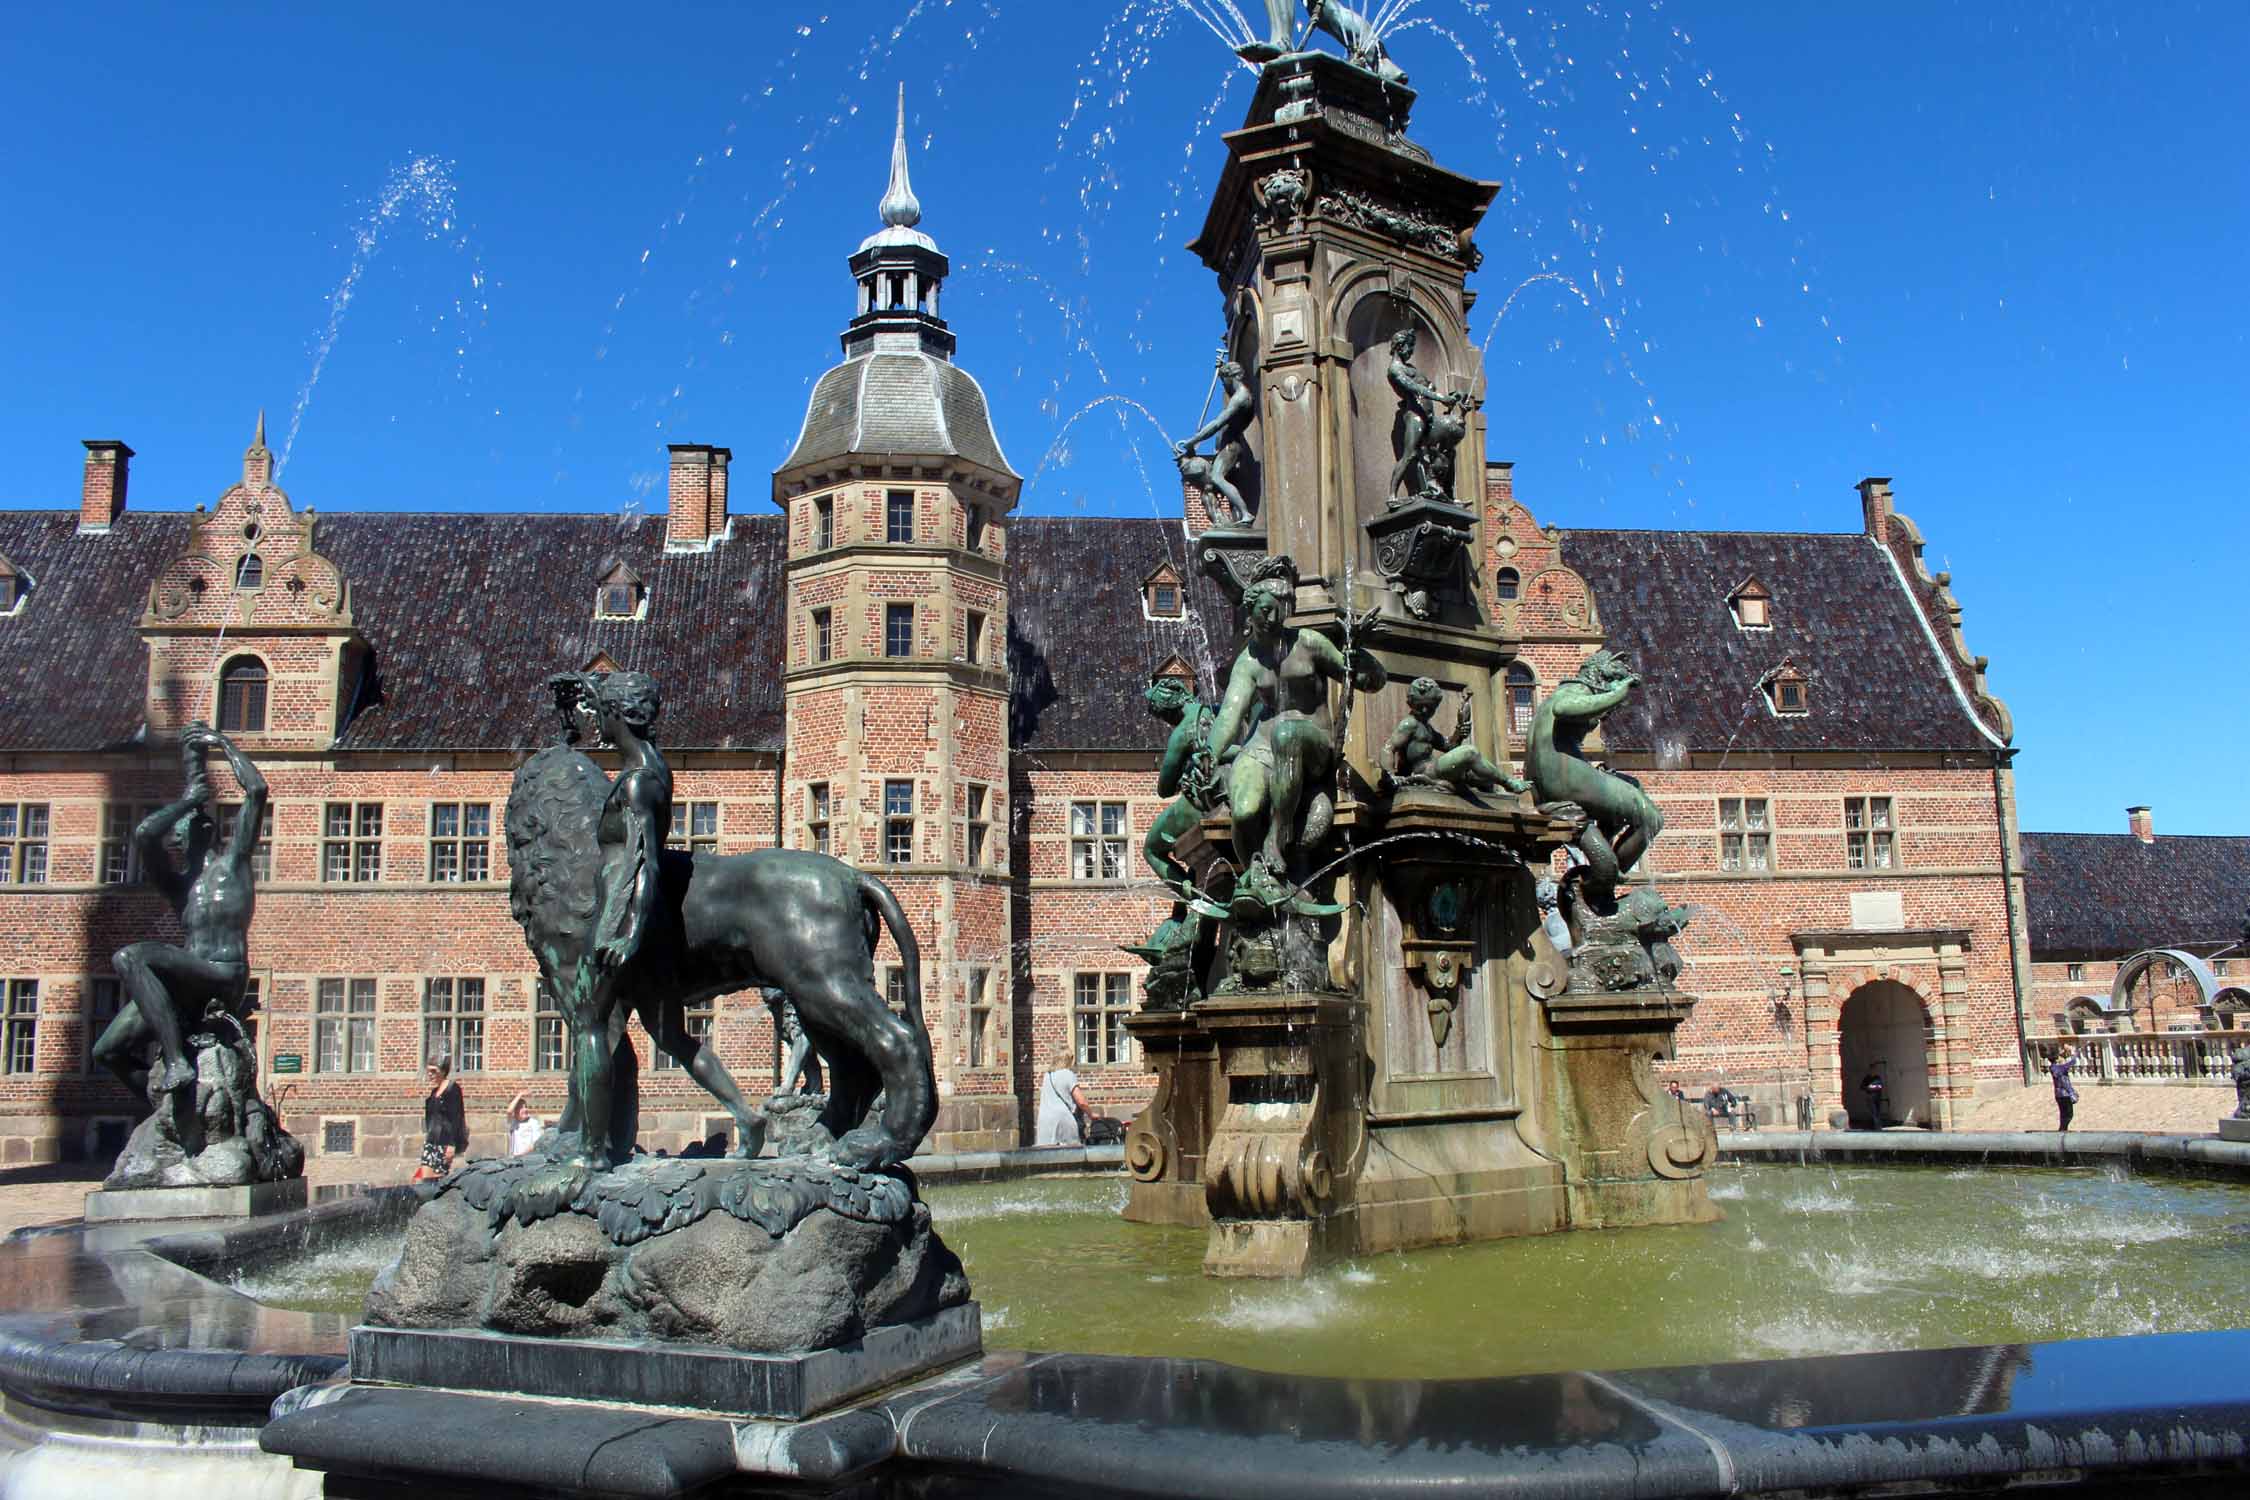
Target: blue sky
1991	250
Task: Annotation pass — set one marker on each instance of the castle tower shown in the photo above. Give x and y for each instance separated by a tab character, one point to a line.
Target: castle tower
897	676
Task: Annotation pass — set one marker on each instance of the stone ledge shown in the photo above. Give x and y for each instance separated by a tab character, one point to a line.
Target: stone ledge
647	1372
2192	1155
110	1205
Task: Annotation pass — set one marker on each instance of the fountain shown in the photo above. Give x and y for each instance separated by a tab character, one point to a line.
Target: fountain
1376	1029
1364	1039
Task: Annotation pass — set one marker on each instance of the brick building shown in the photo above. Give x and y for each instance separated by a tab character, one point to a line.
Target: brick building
888	663
2097	899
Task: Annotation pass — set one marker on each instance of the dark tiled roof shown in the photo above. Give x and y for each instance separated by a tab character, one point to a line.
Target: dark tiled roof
897	403
468	614
73	672
1079	643
1839	615
2104	894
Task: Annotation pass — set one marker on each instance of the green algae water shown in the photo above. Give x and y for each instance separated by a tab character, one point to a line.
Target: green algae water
1809	1260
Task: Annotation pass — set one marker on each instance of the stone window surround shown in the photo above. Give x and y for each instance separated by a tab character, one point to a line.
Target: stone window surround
354	842
1746	831
351	1016
460	843
455	1018
1869	837
233	724
1107	1000
1104	851
20	849
19	1026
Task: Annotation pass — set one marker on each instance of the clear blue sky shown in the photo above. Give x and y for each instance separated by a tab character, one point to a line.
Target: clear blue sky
1993	250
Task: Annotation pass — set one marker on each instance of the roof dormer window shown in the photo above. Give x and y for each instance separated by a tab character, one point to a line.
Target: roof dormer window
1789	693
1752	605
13	587
619	594
1161	597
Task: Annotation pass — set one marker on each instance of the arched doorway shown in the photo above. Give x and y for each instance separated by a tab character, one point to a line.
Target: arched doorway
1884	1027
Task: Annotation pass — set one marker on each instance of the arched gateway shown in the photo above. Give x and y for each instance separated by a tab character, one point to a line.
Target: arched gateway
1885	1027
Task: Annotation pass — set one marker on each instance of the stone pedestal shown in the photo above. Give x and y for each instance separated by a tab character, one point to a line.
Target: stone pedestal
1288	1061
2231	1129
112	1205
1165	1144
1632	1153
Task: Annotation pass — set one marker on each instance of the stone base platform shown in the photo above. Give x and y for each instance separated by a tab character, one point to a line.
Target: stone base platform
649	1372
111	1205
2231	1129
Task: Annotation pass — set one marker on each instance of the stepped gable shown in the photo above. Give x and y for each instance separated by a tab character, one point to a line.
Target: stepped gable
1080	647
2101	895
73	671
1874	679
469	614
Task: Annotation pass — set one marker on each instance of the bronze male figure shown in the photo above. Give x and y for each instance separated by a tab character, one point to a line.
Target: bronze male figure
170	988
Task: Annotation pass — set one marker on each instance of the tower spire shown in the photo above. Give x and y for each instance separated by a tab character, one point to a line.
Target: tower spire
900	208
260	440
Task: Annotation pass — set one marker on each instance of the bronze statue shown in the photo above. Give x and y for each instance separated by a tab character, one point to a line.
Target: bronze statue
1272	734
181	1037
1621	819
623	925
1185	774
1231	426
1416	432
1361	45
169	989
1419	755
2242	1081
1281	34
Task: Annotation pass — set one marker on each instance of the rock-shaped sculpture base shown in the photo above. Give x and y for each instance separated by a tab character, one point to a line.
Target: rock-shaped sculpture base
767	1257
220	1134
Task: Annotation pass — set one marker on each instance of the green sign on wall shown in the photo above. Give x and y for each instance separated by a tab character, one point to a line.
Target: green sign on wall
289	1062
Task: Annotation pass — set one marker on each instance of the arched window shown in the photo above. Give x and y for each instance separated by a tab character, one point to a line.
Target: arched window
1507	583
1520	687
242	696
250	573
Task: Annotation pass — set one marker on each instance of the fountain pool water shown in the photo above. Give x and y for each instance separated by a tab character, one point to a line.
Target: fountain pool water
1810	1260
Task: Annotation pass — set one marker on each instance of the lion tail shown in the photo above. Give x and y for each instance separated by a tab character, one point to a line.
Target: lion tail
882	904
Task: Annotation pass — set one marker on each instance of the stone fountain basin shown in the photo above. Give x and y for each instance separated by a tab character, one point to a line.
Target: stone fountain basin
111	1339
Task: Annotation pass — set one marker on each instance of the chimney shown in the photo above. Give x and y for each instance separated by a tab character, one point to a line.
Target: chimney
1875	507
698	495
1499	485
101	499
2142	822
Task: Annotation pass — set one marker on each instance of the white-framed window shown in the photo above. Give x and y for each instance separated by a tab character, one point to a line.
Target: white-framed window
105	997
972	638
1097	840
121	857
823	635
23	843
2074	973
977	987
261	857
898	516
695	826
351	849
1745	834
19	1043
698	1021
344	1025
1869	836
980	826
823	524
551	1046
898	630
898	822
817	816
1522	689
1099	1005
894	987
453	1022
460	842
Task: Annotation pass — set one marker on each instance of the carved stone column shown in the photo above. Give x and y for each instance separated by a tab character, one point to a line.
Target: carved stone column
1165	1146
1633	1153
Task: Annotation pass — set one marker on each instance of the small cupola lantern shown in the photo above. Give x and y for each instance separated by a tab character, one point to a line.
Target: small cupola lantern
899	270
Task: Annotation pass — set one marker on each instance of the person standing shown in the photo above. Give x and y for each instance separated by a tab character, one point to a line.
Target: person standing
1062	1103
2066	1092
1872	1086
445	1125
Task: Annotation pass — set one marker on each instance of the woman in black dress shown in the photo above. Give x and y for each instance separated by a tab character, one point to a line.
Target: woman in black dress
445	1126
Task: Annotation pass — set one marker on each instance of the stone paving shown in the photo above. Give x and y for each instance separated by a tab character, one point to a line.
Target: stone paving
2161	1109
